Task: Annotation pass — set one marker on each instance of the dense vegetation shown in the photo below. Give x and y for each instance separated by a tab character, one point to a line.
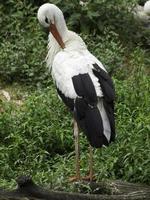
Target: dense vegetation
36	136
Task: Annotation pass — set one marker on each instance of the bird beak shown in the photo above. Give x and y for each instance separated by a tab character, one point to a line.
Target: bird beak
56	35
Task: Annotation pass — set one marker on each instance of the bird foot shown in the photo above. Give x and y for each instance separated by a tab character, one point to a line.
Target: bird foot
89	178
74	178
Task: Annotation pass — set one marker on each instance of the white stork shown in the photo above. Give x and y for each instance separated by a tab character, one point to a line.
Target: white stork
82	82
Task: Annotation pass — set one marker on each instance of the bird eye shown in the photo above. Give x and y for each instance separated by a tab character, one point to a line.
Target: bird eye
46	20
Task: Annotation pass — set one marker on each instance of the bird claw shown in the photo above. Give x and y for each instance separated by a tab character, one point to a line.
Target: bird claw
89	178
85	178
74	178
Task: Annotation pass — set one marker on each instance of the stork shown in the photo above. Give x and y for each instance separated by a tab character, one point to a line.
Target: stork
82	83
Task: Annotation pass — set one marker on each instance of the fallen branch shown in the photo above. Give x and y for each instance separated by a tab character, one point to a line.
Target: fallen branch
27	189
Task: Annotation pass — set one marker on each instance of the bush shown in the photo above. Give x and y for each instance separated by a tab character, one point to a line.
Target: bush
93	17
34	133
23	43
129	158
105	48
23	47
37	137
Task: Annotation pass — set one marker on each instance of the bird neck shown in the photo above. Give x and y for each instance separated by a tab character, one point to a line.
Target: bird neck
72	41
61	26
53	46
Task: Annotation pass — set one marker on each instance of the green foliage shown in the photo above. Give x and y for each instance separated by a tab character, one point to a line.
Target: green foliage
94	16
129	157
23	43
35	132
37	137
105	48
22	49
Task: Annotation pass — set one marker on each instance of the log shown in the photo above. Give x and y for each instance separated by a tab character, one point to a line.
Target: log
113	190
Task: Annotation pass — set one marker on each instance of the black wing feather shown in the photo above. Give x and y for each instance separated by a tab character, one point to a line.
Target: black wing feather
105	82
84	87
109	96
67	101
86	111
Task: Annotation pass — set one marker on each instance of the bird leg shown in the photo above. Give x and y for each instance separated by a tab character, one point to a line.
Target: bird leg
76	134
90	177
91	163
77	153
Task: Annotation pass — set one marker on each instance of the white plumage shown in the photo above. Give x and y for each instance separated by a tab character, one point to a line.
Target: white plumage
72	60
69	63
147	7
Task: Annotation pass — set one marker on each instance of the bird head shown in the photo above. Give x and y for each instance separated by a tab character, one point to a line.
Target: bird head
51	17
